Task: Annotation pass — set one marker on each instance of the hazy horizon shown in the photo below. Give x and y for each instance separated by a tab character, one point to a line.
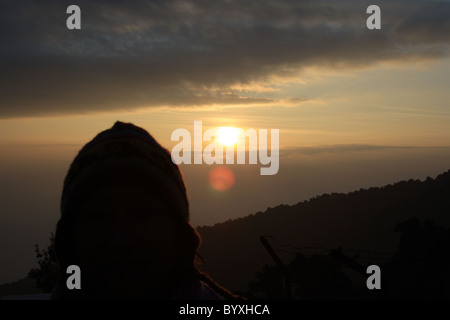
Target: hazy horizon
31	191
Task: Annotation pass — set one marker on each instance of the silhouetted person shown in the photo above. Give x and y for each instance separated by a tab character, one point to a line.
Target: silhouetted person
125	223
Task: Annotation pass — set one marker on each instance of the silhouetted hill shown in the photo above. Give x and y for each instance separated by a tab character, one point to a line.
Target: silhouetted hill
360	220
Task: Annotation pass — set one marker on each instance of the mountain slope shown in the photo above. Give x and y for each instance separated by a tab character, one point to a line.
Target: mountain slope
362	220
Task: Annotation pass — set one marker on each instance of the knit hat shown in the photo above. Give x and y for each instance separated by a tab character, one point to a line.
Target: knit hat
125	147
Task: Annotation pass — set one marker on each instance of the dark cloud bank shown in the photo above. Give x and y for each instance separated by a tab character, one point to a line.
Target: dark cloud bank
132	54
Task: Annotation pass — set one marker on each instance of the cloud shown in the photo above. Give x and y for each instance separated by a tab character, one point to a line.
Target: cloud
138	54
340	148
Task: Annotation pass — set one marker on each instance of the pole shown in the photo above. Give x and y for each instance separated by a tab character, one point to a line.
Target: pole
279	264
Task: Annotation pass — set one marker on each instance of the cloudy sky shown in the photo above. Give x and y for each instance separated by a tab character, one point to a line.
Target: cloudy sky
355	107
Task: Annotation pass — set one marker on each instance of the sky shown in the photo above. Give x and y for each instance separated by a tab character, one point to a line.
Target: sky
355	107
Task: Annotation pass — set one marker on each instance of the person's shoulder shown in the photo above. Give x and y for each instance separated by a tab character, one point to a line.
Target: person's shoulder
207	293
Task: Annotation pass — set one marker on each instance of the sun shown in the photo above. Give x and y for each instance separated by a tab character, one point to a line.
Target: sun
228	135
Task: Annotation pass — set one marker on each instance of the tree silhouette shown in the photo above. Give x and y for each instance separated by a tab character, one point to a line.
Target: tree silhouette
46	275
419	269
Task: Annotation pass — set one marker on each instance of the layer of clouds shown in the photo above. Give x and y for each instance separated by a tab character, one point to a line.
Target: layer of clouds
132	54
339	148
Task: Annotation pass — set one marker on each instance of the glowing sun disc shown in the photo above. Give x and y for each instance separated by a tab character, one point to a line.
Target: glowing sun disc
228	135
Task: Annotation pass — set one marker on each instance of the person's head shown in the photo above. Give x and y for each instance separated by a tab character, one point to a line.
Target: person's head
125	217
